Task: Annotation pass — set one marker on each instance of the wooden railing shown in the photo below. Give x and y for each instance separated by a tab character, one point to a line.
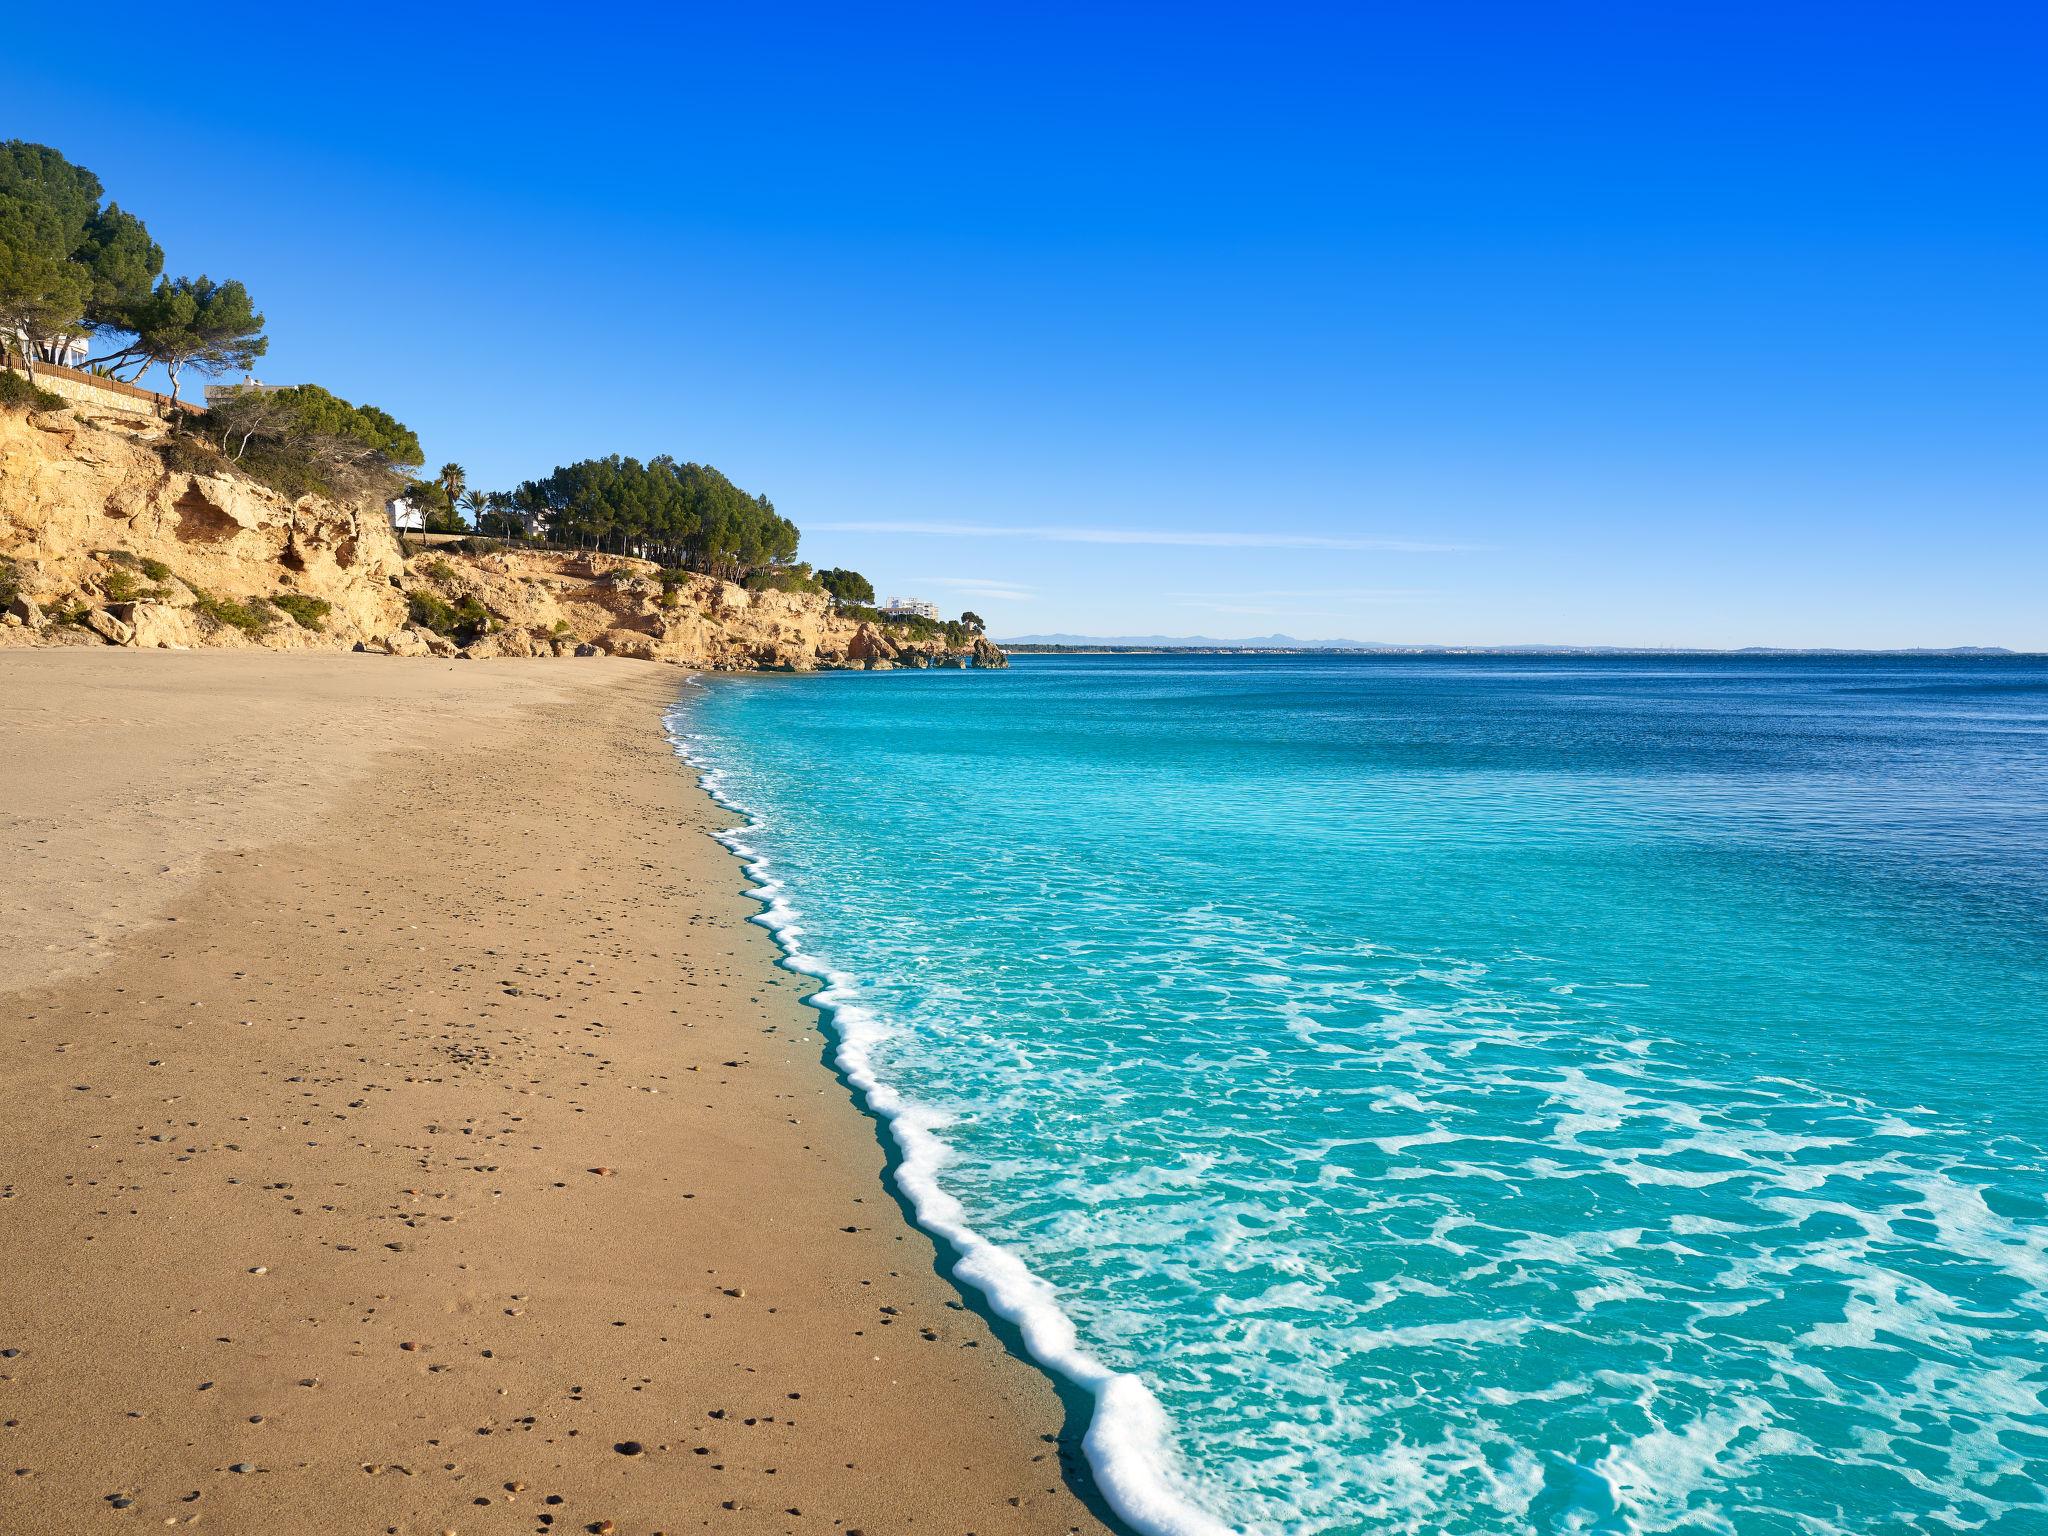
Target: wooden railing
111	386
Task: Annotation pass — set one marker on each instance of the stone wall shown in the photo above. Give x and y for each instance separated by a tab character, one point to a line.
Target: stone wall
103	394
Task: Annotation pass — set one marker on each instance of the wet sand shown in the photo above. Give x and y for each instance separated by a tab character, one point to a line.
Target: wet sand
406	1131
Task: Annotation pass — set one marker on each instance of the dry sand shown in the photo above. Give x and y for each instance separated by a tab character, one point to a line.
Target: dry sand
403	1130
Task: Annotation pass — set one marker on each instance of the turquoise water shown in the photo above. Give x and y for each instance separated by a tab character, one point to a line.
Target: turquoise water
1460	1095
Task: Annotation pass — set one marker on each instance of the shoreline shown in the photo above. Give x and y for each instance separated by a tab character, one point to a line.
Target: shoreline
395	1080
1128	1437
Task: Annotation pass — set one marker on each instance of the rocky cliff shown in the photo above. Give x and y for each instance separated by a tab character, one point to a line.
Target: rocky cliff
101	543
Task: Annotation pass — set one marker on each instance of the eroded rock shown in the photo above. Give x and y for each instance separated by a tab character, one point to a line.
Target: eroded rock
108	628
91	519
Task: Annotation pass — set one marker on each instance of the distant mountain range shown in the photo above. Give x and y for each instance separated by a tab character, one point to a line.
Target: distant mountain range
1289	643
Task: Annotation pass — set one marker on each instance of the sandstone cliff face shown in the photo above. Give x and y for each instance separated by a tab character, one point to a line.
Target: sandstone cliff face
107	546
83	505
556	603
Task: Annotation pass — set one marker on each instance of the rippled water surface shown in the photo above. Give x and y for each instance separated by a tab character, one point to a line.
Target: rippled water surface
1473	1095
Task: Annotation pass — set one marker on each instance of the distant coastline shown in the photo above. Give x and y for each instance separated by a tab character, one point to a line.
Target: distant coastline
1078	645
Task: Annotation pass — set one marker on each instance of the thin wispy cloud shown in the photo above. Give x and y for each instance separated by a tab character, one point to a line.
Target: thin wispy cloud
1189	538
977	586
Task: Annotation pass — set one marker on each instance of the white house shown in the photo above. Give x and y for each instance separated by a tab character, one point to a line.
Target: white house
910	608
407	516
250	385
532	521
64	351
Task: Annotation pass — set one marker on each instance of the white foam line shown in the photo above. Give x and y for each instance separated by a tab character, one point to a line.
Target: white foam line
1129	1435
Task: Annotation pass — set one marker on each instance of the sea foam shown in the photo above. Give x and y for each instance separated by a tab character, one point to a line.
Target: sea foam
1129	1440
1446	1115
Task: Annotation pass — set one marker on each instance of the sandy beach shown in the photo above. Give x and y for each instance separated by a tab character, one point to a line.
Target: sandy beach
406	1131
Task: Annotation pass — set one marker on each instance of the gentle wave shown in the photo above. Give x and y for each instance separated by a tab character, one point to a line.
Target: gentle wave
1507	1147
1129	1439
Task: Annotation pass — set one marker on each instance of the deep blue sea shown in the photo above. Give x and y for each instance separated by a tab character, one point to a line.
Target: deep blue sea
1464	1094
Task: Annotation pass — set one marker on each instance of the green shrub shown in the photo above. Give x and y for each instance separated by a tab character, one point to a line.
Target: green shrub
72	613
793	578
464	620
301	441
10	581
438	570
472	619
123	583
251	617
430	610
277	466
16	390
184	454
307	612
314	424
283	469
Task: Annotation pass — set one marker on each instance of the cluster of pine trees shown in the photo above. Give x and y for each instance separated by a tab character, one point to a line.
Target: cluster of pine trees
72	266
678	514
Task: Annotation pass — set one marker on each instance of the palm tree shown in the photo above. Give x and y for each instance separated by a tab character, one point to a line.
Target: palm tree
475	503
452	478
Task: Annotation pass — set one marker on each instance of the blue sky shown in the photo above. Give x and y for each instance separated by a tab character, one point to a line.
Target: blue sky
1617	324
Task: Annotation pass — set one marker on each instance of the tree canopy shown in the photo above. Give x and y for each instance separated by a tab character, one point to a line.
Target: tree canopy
679	514
438	512
847	586
123	261
194	322
304	440
42	291
69	263
66	262
316	423
499	514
